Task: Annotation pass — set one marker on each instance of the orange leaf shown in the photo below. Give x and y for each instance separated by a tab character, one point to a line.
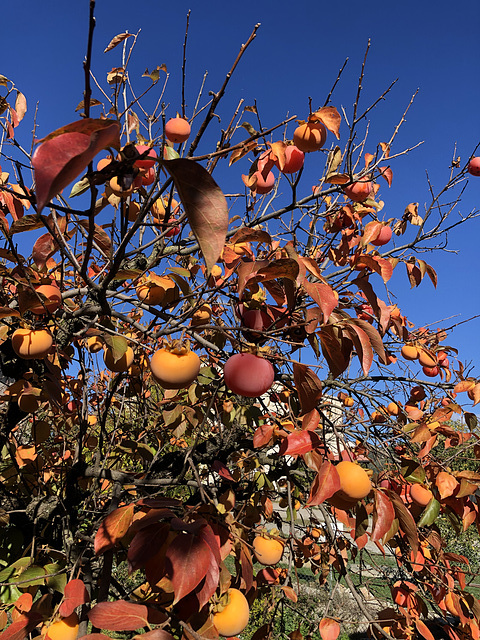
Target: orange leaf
329	629
330	118
446	484
423	630
113	528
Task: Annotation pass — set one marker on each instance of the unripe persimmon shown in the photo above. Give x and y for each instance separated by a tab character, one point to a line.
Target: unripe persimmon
409	352
420	495
248	375
177	130
232	615
63	629
294	159
51	303
474	166
122	364
175	368
268	551
358	191
310	136
30	344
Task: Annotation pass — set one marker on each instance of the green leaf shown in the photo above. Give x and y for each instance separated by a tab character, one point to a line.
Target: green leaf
430	513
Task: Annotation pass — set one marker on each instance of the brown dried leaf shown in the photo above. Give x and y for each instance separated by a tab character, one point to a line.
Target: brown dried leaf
117	40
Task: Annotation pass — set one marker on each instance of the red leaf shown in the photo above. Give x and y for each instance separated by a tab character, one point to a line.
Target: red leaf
329	629
20	629
383	516
113	528
335	348
146	544
66	152
75	594
325	484
308	385
263	435
222	470
187	561
299	442
362	344
205	206
43	249
119	616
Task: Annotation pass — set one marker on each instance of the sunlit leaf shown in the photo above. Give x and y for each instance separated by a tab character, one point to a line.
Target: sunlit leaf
329	629
117	40
119	616
326	483
113	528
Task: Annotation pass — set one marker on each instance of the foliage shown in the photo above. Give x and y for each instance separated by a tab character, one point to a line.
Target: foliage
123	442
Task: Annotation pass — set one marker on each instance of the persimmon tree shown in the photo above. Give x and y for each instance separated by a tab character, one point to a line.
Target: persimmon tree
204	393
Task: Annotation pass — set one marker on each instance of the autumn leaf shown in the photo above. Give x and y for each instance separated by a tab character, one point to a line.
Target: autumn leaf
205	206
66	152
326	483
330	118
113	528
187	561
117	40
299	442
119	616
308	385
446	484
383	516
75	594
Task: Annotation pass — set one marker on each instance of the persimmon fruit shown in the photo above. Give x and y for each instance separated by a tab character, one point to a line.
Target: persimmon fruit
175	368
94	344
383	237
393	408
294	159
122	364
52	302
474	166
248	375
232	617
264	185
310	136
427	359
177	130
358	191
63	629
409	352
355	485
431	372
420	495
30	344
149	161
268	551
118	189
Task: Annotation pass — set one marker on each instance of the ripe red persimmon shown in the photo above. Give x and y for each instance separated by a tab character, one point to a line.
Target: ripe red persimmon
474	166
358	191
145	163
383	237
264	185
248	375
177	130
294	159
431	372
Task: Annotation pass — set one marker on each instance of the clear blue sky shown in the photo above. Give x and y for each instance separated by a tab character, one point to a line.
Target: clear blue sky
297	53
